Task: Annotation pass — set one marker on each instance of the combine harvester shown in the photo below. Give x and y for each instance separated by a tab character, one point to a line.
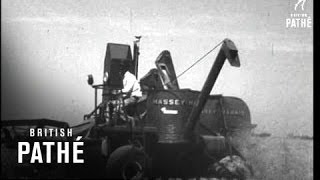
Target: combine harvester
172	132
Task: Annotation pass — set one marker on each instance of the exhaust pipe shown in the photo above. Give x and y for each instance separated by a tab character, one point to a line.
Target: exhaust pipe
136	54
227	51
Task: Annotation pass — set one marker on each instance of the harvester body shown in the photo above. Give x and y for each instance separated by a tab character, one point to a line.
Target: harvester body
174	132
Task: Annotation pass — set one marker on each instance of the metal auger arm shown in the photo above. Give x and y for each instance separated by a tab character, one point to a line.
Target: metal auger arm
227	51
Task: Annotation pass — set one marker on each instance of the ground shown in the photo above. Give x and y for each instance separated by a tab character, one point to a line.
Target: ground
280	158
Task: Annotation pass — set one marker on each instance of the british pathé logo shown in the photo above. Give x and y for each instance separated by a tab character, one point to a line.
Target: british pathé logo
299	18
301	3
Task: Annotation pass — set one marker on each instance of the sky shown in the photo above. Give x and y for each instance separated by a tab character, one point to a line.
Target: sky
48	47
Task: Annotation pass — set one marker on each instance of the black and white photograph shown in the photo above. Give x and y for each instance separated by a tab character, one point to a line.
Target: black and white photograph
157	89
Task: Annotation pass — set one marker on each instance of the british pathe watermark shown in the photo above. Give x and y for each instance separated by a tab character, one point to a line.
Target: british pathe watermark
299	19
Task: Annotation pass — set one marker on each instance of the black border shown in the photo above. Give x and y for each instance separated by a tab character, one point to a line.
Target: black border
316	89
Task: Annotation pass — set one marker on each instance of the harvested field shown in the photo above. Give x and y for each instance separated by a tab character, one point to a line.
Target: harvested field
280	158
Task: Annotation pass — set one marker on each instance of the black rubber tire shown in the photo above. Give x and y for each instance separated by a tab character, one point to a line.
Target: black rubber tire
124	158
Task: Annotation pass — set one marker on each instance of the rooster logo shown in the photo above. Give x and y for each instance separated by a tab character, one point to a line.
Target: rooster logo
298	3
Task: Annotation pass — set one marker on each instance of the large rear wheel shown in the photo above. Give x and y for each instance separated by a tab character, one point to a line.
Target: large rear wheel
126	162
